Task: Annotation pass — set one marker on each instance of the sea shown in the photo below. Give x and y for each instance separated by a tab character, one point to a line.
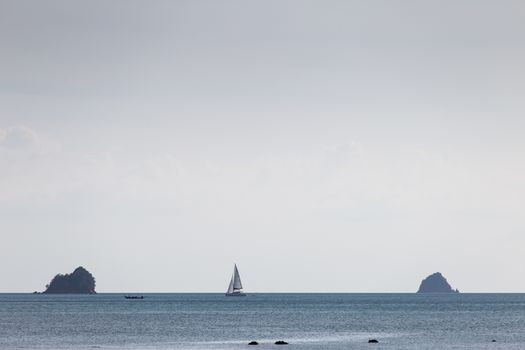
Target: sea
305	321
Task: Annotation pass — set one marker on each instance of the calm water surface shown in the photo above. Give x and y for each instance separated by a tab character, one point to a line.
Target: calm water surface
306	321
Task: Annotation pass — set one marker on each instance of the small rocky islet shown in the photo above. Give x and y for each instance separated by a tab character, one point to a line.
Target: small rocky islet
436	283
80	281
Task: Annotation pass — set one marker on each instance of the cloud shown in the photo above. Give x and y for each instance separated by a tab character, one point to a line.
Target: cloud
19	138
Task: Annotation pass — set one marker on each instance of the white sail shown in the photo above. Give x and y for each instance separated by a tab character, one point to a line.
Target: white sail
235	287
230	287
236	279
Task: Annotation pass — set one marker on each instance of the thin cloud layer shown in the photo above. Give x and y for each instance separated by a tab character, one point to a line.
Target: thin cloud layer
19	138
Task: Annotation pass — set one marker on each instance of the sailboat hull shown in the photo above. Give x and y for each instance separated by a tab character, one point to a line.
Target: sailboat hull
235	294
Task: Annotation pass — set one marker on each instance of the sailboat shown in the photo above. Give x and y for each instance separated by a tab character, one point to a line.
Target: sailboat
235	287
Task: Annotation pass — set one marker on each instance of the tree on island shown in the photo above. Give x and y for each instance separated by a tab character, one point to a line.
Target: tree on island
79	281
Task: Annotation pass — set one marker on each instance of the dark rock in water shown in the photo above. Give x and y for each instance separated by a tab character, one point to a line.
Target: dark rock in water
373	341
493	340
253	342
281	342
436	283
79	281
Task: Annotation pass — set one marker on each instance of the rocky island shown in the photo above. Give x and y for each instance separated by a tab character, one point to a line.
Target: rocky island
436	283
79	281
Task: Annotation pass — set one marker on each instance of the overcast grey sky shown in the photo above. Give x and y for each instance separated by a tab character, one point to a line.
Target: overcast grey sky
345	146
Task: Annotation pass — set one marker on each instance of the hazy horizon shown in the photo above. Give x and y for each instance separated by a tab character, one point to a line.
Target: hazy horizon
335	146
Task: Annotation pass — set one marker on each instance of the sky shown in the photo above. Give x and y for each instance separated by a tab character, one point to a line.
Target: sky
323	146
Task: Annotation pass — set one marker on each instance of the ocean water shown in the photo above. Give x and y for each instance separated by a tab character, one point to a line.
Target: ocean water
306	321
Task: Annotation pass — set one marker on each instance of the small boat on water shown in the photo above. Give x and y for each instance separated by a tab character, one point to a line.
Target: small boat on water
134	297
235	287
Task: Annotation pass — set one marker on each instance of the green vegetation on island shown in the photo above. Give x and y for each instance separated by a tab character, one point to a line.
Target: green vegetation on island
80	281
